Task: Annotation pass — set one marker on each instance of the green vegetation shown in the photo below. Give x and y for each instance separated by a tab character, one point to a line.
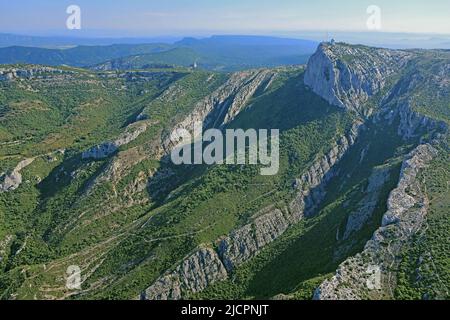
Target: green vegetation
425	269
76	111
225	53
431	96
310	251
127	219
77	57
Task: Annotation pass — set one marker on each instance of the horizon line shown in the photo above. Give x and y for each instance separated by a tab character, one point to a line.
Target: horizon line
211	33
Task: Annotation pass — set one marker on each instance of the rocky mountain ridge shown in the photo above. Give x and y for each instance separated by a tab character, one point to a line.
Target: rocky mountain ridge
371	274
349	85
106	149
224	104
30	72
139	226
347	76
244	243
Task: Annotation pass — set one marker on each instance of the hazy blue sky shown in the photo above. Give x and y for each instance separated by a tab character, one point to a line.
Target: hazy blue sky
165	17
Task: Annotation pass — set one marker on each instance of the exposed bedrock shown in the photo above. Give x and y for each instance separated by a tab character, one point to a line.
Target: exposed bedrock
247	241
347	76
365	208
371	274
224	104
215	110
12	180
194	274
108	148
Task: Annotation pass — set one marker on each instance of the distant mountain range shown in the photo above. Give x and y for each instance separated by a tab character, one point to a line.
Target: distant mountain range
227	53
78	57
61	42
215	53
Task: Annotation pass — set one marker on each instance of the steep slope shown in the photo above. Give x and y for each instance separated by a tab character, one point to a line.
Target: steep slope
347	76
340	215
373	273
43	171
130	207
140	227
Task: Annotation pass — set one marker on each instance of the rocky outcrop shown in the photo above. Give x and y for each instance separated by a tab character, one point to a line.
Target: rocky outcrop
371	274
4	243
31	72
194	274
312	184
408	193
218	108
347	76
246	242
358	218
101	151
418	89
222	106
11	181
412	123
398	105
106	149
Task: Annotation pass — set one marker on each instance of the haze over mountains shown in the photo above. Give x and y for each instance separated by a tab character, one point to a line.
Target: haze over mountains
226	53
393	40
67	41
217	53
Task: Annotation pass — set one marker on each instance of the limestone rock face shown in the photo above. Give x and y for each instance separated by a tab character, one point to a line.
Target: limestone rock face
205	267
367	205
101	151
245	242
224	104
412	122
106	149
371	274
215	110
200	270
165	288
193	275
30	72
11	181
346	76
401	101
408	194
